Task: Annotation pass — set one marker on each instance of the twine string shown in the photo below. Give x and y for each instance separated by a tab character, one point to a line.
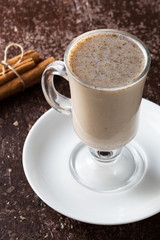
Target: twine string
5	64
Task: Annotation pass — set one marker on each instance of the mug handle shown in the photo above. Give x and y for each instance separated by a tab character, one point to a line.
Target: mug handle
53	97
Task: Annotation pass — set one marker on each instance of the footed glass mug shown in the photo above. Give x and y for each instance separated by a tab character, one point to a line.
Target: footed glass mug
104	118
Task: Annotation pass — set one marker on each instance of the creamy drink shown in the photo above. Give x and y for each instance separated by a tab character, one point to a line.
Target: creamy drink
106	93
106	70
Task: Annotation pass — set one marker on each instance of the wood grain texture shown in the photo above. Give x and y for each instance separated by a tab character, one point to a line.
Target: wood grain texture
47	26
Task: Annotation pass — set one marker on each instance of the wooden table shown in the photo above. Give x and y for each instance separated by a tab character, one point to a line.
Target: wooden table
47	27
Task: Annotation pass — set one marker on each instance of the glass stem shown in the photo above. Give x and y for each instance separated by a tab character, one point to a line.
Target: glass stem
105	156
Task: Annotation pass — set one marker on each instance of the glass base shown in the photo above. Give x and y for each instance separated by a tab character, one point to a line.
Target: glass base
107	174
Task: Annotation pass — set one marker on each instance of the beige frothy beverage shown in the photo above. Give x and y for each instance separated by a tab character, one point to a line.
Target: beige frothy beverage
105	102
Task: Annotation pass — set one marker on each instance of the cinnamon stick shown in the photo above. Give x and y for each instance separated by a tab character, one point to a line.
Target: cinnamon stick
30	78
29	54
20	68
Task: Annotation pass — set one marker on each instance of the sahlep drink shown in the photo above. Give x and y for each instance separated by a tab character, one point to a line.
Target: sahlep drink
106	93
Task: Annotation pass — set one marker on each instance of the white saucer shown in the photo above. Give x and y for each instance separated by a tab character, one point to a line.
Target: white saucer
46	164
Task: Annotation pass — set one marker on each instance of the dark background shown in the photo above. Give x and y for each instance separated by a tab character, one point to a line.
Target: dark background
48	26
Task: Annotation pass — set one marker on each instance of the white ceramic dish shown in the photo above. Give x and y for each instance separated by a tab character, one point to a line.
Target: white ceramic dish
46	164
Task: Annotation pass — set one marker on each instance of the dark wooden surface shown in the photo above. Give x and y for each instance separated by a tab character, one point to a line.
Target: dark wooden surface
48	26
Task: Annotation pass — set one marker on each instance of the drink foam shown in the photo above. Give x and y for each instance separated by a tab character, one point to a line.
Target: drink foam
107	60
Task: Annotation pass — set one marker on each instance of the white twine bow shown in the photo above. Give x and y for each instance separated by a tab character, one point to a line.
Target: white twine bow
5	64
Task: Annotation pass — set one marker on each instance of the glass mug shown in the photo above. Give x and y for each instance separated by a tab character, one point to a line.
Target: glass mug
105	119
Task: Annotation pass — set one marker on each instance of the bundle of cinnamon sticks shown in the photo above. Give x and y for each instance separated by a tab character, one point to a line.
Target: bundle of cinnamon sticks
30	69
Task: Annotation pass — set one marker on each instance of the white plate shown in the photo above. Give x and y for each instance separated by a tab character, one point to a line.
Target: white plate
46	164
